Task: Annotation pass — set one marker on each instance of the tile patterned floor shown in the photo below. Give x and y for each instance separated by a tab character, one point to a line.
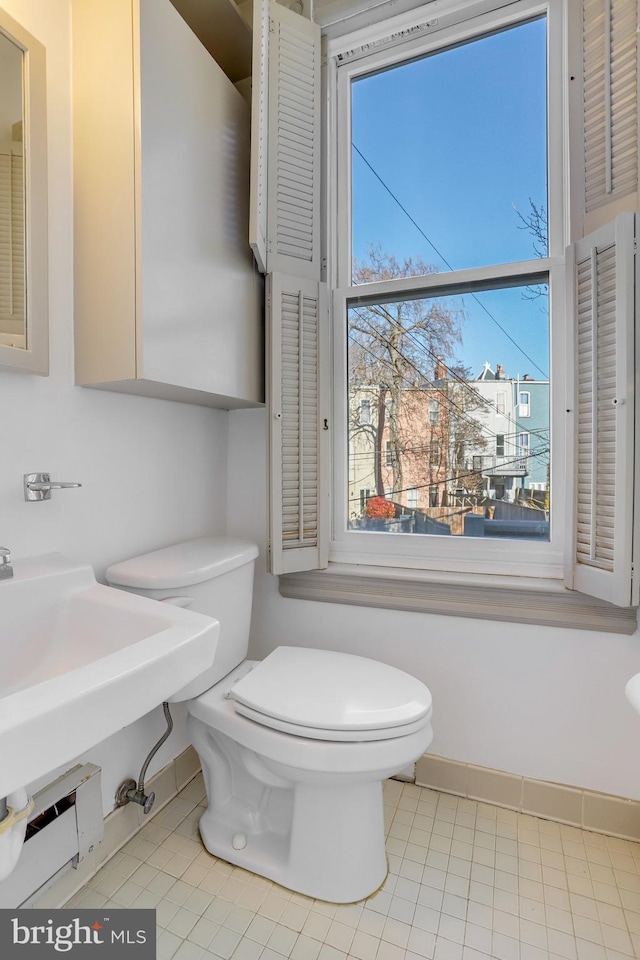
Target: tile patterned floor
467	881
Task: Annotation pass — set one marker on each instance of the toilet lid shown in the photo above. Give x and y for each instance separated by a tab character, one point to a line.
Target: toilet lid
329	691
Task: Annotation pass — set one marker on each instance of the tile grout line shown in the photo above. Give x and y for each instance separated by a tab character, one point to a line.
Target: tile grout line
194	917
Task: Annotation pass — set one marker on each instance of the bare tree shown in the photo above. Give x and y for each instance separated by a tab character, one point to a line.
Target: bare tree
536	223
402	357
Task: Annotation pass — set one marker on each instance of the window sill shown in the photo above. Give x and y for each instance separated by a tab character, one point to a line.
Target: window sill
510	599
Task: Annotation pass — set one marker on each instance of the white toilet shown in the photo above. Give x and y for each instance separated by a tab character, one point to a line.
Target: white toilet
294	748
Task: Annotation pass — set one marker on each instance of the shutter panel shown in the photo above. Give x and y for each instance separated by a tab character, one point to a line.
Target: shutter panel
259	133
610	100
297	317
603	315
17	238
285	180
294	144
12	282
5	237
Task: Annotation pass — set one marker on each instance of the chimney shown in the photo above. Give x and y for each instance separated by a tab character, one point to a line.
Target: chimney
527	377
499	372
441	370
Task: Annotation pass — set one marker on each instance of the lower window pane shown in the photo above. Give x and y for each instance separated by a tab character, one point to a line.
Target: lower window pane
448	409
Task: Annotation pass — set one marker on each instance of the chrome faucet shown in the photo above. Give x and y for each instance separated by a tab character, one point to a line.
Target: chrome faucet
38	486
6	570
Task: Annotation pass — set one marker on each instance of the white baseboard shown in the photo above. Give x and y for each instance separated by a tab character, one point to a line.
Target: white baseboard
587	809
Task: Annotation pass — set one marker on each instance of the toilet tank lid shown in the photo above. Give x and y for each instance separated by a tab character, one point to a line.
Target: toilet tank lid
183	564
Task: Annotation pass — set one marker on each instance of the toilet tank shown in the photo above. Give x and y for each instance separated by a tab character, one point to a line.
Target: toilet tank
212	575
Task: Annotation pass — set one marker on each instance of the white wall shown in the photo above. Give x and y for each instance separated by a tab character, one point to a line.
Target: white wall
540	702
153	472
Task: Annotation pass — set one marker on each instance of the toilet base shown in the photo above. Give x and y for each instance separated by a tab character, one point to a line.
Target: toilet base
324	840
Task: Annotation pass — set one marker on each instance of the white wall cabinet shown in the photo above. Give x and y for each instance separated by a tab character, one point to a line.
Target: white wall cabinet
167	299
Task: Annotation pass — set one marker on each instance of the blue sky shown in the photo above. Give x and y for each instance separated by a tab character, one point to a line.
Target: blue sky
460	139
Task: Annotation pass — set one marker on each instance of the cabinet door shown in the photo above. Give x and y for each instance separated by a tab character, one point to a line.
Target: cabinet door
200	296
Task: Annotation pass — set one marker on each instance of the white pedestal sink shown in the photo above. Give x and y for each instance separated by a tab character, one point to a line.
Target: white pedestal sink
79	661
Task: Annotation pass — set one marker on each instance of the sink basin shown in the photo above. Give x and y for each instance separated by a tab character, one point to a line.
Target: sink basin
79	661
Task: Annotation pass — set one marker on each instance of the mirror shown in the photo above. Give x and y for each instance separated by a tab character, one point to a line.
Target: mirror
24	341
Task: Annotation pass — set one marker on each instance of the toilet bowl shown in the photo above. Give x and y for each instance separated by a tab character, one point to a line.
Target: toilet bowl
293	748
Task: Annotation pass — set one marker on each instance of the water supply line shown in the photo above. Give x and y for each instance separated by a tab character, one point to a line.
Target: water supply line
129	791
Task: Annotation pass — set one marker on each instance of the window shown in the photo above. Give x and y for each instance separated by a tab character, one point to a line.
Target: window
460	270
412	498
365	411
388	453
524	403
524	444
440	262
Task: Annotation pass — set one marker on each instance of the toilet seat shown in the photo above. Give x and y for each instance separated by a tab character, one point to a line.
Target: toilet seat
336	736
331	696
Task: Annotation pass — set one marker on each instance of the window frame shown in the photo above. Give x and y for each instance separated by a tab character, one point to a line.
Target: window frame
460	555
524	403
303	273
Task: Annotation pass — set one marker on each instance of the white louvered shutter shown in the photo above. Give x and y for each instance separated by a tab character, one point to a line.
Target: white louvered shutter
6	299
12	277
17	239
610	105
285	180
603	315
297	316
293	204
259	133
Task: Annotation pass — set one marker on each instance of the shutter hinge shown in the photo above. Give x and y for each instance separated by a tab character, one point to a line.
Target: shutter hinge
635	245
272	25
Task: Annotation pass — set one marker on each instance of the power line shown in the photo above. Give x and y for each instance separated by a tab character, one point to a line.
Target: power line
444	480
446	262
460	411
466	384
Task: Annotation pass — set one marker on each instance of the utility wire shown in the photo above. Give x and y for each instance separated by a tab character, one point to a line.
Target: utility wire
435	483
445	261
484	430
466	384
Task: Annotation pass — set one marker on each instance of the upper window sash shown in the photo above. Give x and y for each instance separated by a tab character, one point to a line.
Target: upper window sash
439	35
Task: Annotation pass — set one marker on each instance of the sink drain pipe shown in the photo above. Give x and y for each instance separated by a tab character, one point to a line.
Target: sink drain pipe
129	791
